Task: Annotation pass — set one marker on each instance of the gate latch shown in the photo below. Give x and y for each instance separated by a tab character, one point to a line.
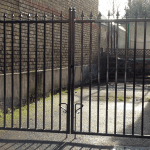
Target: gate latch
78	110
64	109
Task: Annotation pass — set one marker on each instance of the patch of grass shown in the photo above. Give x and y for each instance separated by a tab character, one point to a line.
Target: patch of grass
1	116
147	99
122	98
119	98
15	114
32	107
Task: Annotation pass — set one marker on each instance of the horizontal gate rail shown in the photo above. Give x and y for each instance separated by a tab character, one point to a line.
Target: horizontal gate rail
112	20
116	135
35	130
34	21
122	20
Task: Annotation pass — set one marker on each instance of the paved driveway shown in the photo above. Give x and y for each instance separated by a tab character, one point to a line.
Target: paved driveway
35	140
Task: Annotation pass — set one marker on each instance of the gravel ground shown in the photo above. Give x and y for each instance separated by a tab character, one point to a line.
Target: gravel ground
36	140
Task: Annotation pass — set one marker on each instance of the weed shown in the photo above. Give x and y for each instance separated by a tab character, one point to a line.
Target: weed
122	98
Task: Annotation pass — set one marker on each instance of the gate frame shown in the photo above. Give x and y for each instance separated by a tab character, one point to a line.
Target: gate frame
99	21
71	66
44	22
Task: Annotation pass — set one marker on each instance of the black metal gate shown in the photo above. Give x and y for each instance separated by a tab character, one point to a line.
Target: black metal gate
110	81
120	82
32	75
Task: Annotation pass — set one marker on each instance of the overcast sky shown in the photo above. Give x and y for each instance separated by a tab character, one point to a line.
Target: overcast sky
105	5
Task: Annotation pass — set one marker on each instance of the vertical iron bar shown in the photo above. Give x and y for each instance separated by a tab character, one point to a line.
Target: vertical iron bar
52	82
116	80
4	72
60	78
28	73
134	76
20	77
69	72
125	81
90	76
81	75
44	76
142	121
75	119
12	79
36	74
72	66
128	37
99	65
111	40
107	77
114	38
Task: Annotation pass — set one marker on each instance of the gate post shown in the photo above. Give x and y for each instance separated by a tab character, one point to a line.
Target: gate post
69	68
72	69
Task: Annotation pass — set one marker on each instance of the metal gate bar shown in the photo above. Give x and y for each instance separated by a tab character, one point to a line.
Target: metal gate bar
142	122
36	17
99	69
52	81
44	72
125	80
90	73
60	73
69	72
81	72
72	68
116	78
12	85
107	75
134	76
20	76
28	70
4	72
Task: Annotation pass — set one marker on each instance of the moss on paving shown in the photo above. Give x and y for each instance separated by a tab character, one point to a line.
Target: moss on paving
31	108
122	98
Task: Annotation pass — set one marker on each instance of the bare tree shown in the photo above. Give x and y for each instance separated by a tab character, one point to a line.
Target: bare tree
115	6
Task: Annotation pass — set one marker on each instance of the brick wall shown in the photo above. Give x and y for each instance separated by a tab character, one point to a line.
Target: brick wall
40	7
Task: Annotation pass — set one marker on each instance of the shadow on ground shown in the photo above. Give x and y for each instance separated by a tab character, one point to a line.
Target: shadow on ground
45	145
142	142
